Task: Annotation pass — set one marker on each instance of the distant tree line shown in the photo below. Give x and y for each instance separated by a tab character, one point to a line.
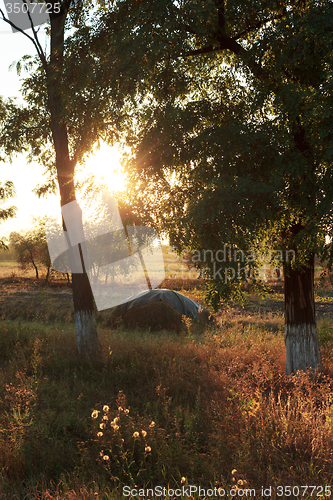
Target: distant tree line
30	250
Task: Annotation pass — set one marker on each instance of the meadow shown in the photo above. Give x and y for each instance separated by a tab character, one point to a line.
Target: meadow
208	408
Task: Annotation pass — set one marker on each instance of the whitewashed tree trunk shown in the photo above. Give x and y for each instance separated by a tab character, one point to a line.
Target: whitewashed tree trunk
86	331
302	348
301	335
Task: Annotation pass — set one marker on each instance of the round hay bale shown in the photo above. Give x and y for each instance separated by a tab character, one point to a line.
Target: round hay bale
154	316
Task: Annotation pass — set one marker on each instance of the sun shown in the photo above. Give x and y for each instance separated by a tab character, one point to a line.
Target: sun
104	164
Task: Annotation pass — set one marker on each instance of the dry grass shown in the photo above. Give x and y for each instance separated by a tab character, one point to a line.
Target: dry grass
10	269
219	402
219	399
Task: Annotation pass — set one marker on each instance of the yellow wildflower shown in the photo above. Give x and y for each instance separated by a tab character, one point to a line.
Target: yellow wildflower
144	434
106	458
152	424
95	414
136	434
106	408
147	449
99	434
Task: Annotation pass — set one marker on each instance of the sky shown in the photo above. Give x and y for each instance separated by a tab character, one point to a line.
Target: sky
26	176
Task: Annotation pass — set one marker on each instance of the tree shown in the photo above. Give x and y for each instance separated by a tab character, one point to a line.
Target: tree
26	250
31	248
242	91
65	115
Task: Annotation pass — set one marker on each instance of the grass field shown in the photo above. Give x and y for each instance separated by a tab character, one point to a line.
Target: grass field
213	410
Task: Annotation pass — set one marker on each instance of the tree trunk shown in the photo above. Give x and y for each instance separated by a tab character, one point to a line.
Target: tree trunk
301	336
84	310
47	273
34	265
85	322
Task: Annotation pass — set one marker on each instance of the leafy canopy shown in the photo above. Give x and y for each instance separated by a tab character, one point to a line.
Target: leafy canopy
233	137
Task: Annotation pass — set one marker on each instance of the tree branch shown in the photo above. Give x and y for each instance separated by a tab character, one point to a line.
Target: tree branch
221	17
34	40
37	44
258	25
203	50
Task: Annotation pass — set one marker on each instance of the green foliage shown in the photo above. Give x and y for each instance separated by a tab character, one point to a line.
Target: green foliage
7	190
80	105
237	151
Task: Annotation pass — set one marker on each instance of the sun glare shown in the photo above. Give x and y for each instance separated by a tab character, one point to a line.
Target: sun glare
104	164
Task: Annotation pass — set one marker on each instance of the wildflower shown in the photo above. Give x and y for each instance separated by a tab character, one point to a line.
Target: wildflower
105	417
106	408
144	434
183	480
233	472
106	458
120	408
240	482
99	434
95	414
102	426
121	441
115	420
126	411
147	449
152	424
115	428
136	434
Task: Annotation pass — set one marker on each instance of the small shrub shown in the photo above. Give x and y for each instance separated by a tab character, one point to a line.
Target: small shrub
125	442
